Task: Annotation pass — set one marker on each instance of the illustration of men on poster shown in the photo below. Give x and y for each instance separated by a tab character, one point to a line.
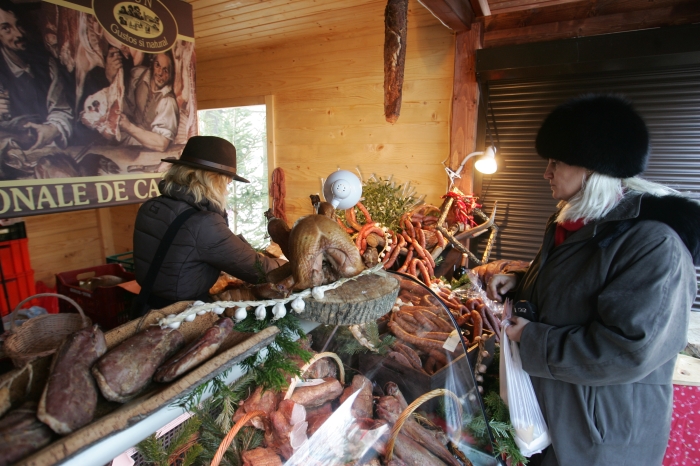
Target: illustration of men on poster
92	93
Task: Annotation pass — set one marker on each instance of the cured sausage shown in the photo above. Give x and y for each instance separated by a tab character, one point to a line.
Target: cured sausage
196	352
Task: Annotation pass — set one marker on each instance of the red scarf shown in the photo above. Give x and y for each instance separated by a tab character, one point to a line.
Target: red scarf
564	230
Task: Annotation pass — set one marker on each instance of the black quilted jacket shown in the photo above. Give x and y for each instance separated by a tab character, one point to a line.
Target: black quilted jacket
202	248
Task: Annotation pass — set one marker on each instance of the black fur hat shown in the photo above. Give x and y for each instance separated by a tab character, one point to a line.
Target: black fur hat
600	132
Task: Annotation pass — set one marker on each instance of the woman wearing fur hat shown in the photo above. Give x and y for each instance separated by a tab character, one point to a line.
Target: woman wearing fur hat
181	238
612	287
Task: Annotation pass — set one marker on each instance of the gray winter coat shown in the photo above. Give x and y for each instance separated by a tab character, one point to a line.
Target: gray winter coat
613	302
202	248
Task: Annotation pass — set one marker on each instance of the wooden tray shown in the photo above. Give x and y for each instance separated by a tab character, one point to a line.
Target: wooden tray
358	301
113	417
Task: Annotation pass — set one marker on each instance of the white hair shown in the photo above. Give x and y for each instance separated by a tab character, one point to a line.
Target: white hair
599	194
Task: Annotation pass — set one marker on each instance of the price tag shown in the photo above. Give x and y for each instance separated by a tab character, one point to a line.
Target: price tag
309	382
452	341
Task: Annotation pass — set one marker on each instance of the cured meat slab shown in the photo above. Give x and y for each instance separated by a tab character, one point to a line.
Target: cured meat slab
113	418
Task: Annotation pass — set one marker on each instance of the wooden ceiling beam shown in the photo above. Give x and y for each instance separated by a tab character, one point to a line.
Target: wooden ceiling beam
583	20
455	14
577	10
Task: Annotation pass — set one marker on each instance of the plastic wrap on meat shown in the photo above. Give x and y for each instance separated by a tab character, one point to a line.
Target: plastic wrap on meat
196	352
128	368
103	109
362	407
21	434
70	395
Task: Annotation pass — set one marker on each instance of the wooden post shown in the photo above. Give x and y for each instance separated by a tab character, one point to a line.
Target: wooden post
465	104
465	112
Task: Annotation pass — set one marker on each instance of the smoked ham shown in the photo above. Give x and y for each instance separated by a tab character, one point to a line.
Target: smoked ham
69	399
127	369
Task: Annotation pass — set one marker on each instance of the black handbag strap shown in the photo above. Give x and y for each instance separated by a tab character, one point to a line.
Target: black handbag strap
165	242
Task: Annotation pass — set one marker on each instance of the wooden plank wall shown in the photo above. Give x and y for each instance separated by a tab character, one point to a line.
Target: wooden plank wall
329	104
76	240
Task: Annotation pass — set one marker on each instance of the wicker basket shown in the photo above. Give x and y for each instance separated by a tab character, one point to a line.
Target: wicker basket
409	411
226	442
41	336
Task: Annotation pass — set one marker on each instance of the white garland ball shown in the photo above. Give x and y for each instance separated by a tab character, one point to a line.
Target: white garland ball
260	312
218	310
174	325
190	317
240	314
202	312
279	311
317	293
298	304
198	303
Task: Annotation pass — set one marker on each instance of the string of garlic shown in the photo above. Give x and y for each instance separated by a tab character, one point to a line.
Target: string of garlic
278	310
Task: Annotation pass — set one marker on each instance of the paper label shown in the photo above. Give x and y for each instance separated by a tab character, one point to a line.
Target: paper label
452	341
309	382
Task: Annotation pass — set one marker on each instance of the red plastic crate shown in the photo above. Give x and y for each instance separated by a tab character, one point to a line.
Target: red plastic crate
18	287
107	306
14	256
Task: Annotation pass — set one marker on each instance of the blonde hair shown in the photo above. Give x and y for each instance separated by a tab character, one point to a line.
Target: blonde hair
599	194
202	184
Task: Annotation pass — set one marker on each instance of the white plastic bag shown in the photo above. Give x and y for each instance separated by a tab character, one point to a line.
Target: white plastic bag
531	434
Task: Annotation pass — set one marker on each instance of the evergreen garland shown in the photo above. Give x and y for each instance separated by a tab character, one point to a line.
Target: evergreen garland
273	365
153	451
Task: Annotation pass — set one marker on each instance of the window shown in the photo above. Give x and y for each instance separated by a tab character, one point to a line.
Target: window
247	202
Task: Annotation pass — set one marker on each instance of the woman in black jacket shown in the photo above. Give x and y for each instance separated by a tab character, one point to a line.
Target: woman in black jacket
203	246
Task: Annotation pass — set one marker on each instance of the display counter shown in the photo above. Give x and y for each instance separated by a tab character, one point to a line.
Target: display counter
109	448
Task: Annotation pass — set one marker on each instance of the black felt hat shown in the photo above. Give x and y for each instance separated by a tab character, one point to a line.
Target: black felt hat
210	153
600	132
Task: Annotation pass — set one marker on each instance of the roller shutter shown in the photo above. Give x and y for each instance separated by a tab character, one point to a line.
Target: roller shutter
668	99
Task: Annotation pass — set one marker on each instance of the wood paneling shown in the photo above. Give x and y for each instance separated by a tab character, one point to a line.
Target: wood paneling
62	242
223	27
123	218
328	103
76	240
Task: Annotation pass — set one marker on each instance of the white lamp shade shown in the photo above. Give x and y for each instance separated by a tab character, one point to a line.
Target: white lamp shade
486	164
342	189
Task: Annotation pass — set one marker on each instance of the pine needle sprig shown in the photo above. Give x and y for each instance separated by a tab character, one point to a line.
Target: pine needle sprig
152	451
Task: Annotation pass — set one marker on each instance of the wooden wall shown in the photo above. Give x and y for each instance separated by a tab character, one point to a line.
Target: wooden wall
76	240
328	98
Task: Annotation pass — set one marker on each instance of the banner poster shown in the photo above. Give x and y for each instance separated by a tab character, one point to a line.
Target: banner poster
94	94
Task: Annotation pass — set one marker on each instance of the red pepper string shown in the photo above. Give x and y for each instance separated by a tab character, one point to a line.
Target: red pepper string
463	206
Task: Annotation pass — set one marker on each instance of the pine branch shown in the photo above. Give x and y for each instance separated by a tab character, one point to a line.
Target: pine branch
192	454
187	430
152	451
